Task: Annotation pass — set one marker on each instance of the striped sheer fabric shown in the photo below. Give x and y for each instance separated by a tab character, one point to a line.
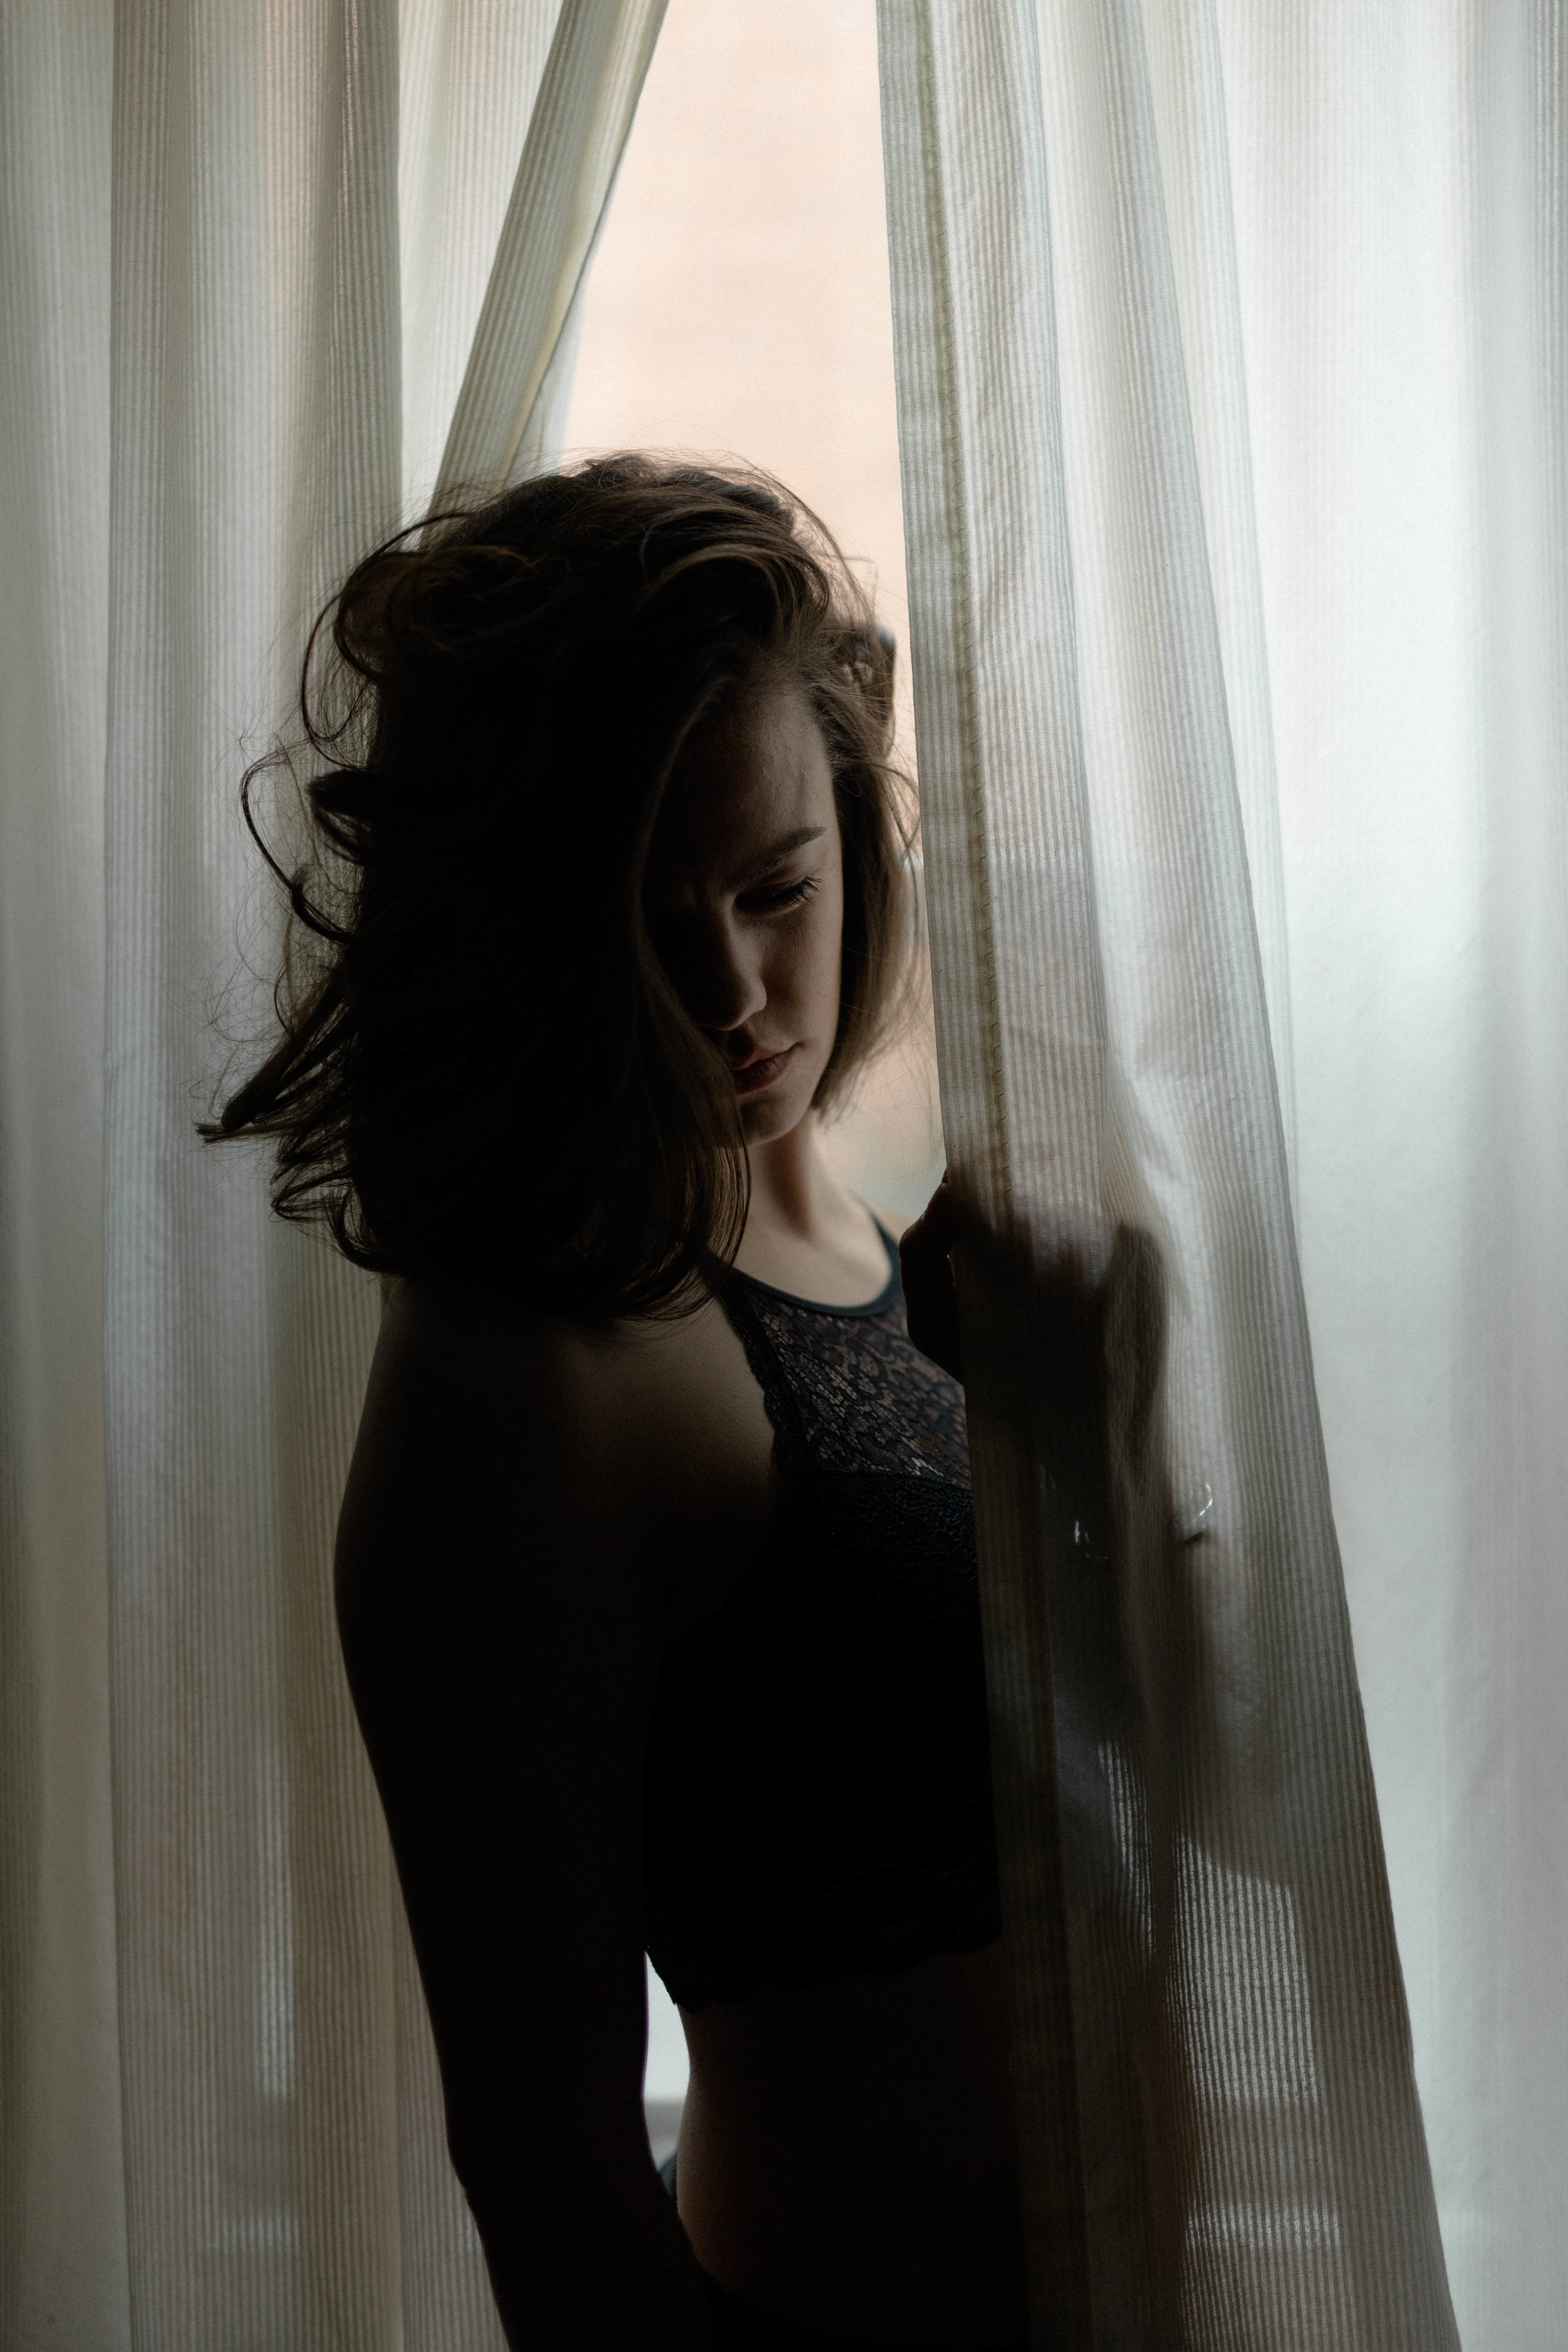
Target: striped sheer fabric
264	283
1173	281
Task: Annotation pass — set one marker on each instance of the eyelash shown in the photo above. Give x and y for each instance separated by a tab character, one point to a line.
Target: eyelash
793	894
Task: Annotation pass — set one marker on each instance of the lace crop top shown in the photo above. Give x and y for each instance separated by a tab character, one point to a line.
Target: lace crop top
818	1777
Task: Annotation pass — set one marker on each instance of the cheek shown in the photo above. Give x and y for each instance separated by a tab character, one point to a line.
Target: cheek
827	947
806	969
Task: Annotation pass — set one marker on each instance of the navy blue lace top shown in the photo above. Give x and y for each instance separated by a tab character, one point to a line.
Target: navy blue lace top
818	1780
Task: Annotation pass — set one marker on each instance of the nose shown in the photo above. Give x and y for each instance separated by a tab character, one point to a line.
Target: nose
717	974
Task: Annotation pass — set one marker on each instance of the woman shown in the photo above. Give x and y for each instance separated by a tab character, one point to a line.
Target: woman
656	1574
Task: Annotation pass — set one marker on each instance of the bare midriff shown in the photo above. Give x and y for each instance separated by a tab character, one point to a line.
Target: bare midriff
848	2155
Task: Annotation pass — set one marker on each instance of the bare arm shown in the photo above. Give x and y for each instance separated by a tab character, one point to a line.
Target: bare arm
499	1600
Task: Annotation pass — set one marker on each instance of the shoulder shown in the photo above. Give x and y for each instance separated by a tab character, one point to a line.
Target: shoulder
474	1330
460	1368
461	1337
481	1403
484	1416
500	1542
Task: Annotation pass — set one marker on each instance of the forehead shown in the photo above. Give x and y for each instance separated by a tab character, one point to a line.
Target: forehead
759	772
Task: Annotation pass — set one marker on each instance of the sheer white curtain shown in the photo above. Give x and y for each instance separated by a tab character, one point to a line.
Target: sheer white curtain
1230	347
269	271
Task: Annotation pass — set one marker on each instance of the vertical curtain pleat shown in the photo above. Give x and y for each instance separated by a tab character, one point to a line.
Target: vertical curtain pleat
62	2220
1401	199
512	409
257	440
469	81
228	236
1228	2151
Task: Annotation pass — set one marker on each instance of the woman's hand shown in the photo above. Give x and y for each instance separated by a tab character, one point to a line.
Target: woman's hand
1080	1341
1071	1384
930	1297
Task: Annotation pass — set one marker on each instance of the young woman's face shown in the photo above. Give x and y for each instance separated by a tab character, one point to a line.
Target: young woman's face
744	897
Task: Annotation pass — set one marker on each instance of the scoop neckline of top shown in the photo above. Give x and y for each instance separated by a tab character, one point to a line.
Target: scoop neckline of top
876	1306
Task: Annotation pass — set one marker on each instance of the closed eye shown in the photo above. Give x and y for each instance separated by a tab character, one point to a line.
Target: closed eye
788	894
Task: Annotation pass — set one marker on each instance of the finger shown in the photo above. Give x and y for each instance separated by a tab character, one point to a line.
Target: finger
927	1252
942	1218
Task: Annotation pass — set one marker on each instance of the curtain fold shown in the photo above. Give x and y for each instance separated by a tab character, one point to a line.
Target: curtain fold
512	409
62	2221
249	253
1191	1857
1230	359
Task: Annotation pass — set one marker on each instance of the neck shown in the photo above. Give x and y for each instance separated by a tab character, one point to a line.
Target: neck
795	1194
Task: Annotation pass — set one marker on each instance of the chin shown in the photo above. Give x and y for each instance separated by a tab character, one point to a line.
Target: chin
773	1115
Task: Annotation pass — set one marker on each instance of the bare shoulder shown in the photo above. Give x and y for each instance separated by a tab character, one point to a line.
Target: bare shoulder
476	1394
460	1368
483	1417
460	1337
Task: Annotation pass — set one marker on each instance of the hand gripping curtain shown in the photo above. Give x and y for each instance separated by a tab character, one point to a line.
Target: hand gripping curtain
271	271
1221	2141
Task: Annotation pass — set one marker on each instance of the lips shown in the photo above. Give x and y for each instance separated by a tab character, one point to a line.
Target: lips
757	1074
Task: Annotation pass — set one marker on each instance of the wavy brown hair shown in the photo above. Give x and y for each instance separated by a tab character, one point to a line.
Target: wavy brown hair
484	1069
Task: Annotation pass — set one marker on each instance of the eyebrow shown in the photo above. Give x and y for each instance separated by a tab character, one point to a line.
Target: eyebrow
781	850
